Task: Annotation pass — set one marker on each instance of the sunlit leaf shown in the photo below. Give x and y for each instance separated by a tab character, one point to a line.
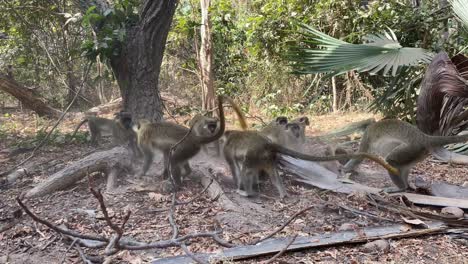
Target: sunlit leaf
460	8
381	52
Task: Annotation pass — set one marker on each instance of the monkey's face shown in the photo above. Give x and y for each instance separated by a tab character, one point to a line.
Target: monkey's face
295	129
205	126
212	126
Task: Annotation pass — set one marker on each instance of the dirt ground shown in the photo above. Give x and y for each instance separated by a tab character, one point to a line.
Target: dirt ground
77	209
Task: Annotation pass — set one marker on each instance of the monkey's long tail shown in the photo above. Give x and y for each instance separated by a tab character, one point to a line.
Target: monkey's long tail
238	111
444	140
78	127
358	155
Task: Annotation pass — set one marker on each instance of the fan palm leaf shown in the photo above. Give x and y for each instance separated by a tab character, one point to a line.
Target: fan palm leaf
334	56
460	8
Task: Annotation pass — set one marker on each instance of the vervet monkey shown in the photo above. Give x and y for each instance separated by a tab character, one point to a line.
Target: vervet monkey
162	136
295	133
99	126
249	153
275	130
402	145
215	143
119	128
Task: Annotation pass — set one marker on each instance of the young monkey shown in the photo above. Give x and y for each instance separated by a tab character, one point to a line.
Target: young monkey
402	145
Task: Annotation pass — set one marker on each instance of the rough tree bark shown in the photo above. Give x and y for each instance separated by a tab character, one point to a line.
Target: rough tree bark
138	65
206	57
27	97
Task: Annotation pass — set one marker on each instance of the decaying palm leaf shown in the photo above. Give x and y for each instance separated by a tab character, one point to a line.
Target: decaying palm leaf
442	78
334	56
442	101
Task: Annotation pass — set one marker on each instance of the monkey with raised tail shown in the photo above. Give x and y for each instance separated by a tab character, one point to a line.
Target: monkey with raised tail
162	136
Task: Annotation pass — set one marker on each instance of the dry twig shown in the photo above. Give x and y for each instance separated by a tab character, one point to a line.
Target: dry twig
277	255
114	242
191	255
284	225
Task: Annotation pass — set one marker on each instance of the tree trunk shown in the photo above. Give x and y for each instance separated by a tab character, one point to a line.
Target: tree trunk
100	86
137	66
27	97
206	57
335	96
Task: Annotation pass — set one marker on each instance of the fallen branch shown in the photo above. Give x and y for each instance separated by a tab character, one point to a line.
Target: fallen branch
82	255
117	242
56	228
275	245
98	161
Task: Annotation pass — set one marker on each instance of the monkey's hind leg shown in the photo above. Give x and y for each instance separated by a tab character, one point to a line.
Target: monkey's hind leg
401	181
402	158
95	135
276	181
148	159
235	169
363	147
248	176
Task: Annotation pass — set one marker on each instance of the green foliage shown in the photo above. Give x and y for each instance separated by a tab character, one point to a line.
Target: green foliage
329	55
80	137
251	37
109	27
396	97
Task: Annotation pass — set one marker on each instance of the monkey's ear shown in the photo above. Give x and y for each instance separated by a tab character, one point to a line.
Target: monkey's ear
304	120
281	120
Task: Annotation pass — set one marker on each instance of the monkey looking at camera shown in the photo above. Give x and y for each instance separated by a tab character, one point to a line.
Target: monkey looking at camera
402	145
249	154
295	133
206	119
162	136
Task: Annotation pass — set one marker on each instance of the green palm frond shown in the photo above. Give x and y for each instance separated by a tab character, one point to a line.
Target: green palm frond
334	56
460	8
